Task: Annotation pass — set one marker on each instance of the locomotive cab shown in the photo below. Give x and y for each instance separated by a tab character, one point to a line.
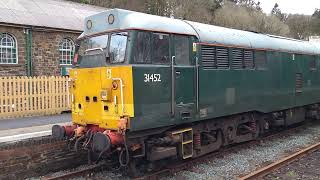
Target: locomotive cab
126	80
106	66
102	82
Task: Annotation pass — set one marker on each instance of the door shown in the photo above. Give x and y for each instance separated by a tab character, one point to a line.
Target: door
183	84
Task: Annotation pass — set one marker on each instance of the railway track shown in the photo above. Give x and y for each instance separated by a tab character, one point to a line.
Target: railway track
85	172
179	166
278	164
186	164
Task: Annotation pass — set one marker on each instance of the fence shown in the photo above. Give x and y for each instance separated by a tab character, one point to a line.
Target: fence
32	96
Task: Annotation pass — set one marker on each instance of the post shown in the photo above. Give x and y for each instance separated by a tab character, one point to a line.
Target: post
28	53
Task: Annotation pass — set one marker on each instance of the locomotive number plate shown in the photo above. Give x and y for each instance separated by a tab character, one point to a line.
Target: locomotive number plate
152	77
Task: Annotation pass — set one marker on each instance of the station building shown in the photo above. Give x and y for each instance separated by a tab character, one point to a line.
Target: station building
37	37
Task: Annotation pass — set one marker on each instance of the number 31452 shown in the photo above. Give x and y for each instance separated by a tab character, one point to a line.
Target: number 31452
152	77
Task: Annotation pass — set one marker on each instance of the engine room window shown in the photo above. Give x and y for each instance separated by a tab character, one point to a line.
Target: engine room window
237	58
161	47
248	59
222	57
209	60
182	44
260	60
118	44
312	63
142	50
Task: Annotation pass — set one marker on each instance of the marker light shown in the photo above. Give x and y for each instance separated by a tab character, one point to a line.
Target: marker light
111	19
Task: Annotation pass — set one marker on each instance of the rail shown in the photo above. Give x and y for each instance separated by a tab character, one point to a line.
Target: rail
276	165
77	173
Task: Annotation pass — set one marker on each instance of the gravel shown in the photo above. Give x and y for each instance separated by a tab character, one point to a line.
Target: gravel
306	168
234	164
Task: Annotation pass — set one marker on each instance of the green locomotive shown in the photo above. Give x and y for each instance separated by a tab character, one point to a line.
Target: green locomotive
146	88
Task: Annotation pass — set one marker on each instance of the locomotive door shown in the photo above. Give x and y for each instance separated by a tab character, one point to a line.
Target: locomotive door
182	69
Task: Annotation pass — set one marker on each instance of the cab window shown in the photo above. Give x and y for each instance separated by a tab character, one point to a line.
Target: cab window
118	44
161	48
181	44
142	48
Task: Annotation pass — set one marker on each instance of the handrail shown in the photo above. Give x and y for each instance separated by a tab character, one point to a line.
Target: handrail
173	90
197	83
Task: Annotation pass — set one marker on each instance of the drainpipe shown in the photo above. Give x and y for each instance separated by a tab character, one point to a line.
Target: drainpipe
28	53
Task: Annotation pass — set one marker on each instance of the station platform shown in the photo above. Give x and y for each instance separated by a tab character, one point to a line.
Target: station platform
30	127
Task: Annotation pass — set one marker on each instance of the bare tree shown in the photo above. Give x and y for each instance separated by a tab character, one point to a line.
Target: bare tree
200	11
233	16
300	26
315	22
276	11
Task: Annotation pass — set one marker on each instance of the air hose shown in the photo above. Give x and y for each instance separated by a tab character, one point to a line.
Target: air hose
126	163
76	145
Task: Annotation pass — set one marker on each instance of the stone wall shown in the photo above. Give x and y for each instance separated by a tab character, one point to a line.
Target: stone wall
45	51
32	158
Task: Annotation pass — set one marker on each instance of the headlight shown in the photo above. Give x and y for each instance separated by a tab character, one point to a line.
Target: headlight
114	85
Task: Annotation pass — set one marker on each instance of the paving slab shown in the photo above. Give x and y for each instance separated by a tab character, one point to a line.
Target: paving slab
30	127
15	123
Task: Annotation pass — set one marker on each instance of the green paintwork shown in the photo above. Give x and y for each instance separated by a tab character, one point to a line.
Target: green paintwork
28	38
222	92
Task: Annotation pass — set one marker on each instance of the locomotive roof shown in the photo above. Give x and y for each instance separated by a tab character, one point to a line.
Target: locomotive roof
124	20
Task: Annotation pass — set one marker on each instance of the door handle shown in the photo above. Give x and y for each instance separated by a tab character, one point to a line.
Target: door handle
178	73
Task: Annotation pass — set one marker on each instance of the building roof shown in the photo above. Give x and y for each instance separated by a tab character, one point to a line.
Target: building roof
58	14
206	33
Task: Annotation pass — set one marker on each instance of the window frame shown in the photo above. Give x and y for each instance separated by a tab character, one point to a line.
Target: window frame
65	50
12	48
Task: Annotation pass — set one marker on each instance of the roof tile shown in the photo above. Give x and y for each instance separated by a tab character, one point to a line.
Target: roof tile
58	14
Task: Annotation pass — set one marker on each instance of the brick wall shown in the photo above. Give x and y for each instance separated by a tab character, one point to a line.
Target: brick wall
32	158
45	51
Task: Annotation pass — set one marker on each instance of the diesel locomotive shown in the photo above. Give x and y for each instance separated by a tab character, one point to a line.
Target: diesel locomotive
147	89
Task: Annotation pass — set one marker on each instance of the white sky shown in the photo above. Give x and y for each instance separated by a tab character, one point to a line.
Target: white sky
291	6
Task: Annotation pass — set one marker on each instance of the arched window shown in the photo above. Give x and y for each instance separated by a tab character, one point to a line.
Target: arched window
8	49
66	50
